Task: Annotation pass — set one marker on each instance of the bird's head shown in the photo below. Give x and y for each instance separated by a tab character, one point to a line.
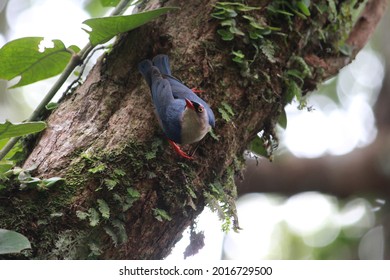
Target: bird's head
195	122
195	112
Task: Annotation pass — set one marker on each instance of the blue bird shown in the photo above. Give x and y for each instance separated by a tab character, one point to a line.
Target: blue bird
184	117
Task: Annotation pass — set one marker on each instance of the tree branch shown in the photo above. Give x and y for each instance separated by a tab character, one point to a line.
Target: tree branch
357	39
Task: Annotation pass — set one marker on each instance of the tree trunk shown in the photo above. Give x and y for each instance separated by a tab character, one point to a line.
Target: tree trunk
126	195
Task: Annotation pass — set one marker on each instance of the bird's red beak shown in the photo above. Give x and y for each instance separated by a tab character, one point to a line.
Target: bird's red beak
189	104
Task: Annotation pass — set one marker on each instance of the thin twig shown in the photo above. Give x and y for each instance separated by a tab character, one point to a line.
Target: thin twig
82	69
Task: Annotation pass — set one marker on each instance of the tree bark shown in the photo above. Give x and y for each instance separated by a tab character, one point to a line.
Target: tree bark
105	142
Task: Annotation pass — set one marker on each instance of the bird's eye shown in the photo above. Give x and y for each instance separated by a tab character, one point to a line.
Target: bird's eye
200	109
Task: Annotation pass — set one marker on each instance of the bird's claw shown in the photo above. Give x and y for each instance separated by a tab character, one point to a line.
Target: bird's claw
195	90
179	151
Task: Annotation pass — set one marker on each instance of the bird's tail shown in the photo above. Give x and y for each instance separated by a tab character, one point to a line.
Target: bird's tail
161	61
145	68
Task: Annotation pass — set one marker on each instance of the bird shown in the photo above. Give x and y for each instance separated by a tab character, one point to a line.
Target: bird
184	117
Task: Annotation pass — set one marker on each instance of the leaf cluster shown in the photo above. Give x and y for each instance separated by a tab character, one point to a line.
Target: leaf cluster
287	8
247	31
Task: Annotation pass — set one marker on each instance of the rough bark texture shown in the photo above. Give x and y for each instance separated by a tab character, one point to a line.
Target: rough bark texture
105	141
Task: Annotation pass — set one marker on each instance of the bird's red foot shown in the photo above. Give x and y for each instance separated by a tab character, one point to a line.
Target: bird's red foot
195	90
178	150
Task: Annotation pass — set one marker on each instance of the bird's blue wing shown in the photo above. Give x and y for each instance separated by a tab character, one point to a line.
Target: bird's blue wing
172	122
160	87
161	61
161	92
169	110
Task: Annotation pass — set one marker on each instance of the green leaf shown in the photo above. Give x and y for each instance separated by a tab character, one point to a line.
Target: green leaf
293	90
3	142
56	215
94	217
238	56
8	129
81	215
297	90
255	25
104	209
282	121
268	49
346	49
97	169
105	28
110	184
4	167
161	215
230	12
26	178
244	8
133	193
94	250
295	73
257	147
190	191
228	108
235	30
151	154
224	114
226	35
12	242
216	188
112	234
228	22
51	106
226	111
249	18
121	230
119	172
17	154
109	3
50	181
255	35
303	69
332	9
22	57
304	8
279	11
213	135
219	15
